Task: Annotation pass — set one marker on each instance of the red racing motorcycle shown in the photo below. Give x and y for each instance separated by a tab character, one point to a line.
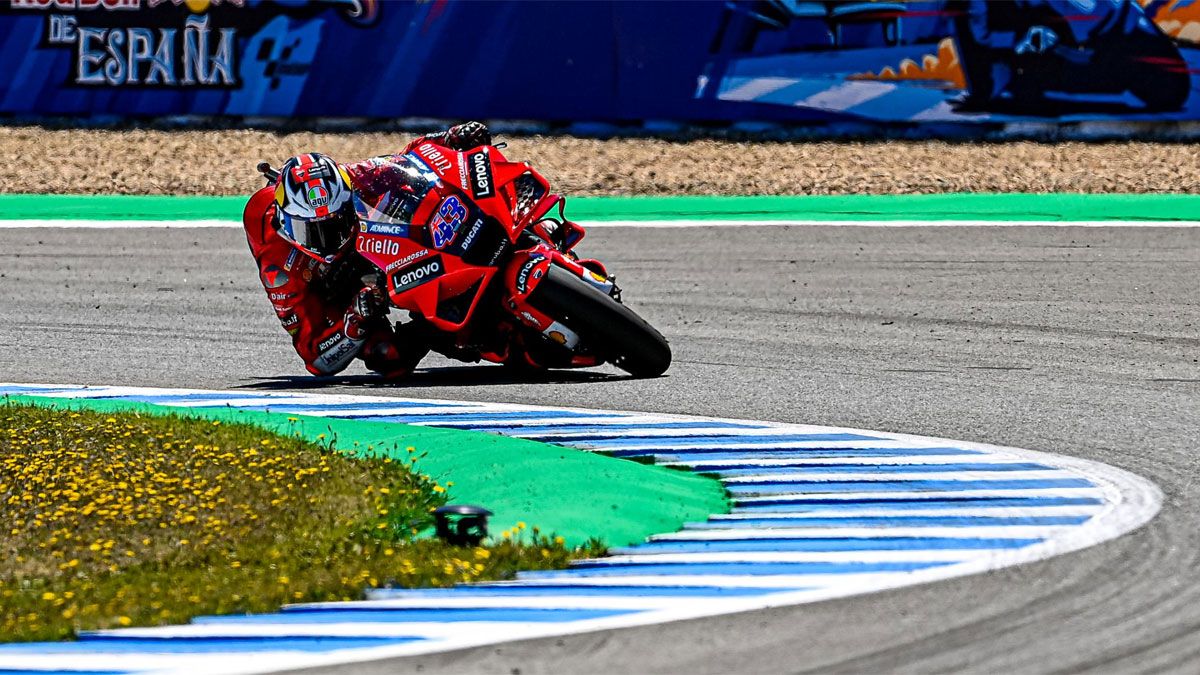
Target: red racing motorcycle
486	259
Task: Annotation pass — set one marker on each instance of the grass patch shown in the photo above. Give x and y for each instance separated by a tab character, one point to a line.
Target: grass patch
122	519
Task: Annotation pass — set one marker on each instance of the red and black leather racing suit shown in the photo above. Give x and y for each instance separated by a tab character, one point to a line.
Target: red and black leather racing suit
315	301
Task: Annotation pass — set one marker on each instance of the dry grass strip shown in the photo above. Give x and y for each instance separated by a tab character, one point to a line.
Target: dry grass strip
222	163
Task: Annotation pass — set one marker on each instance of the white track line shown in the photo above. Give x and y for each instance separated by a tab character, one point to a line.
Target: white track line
788	557
688	445
919	495
867	511
966	532
942	476
71	223
734	580
565	601
422	629
675	446
749	221
668	432
799	462
889	223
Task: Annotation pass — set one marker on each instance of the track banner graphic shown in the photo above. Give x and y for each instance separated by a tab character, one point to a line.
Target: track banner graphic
933	62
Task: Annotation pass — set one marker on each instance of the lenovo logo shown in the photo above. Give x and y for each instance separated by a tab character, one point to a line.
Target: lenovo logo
417	274
482	185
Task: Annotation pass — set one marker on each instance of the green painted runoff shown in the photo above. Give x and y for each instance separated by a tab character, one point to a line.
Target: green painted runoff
571	493
954	206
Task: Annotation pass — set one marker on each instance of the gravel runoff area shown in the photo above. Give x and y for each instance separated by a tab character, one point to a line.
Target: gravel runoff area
222	163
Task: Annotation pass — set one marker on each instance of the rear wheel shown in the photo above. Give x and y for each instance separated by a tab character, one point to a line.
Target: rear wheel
612	330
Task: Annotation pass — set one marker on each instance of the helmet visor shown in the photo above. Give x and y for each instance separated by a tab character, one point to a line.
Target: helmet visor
322	236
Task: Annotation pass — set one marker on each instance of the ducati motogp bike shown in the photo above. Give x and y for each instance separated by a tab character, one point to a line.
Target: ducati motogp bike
479	249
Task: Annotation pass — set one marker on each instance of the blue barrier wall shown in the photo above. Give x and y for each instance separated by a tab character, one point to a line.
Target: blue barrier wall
691	61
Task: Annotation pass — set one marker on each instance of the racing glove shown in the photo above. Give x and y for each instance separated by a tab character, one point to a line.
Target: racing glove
464	136
367	306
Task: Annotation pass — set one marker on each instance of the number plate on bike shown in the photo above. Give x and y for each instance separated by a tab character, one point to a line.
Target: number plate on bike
449	217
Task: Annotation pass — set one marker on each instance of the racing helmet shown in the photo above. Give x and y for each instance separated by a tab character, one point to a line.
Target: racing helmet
316	208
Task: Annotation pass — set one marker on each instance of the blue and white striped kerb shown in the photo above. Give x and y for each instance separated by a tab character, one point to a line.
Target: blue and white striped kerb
818	513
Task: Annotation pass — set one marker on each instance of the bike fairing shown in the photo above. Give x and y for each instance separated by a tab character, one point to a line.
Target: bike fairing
417	274
446	215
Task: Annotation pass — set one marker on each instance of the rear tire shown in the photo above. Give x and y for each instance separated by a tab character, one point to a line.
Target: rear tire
611	329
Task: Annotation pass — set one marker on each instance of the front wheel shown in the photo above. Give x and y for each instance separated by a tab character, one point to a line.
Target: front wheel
611	329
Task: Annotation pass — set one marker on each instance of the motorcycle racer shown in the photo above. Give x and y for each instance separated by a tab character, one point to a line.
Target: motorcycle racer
301	231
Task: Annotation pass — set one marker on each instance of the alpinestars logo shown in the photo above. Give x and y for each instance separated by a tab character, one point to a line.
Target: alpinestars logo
482	185
273	277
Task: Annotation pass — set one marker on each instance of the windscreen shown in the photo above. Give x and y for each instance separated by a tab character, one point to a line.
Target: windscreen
400	183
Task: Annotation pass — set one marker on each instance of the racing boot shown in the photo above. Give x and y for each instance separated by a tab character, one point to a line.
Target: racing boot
391	355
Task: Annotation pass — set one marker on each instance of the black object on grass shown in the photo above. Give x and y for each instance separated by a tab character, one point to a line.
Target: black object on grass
461	524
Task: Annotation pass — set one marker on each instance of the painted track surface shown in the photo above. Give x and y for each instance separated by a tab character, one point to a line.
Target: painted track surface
818	513
1079	341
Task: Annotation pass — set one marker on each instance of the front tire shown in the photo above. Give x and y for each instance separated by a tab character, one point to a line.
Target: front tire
611	329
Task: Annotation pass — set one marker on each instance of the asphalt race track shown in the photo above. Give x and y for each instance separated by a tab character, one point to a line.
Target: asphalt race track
1081	342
